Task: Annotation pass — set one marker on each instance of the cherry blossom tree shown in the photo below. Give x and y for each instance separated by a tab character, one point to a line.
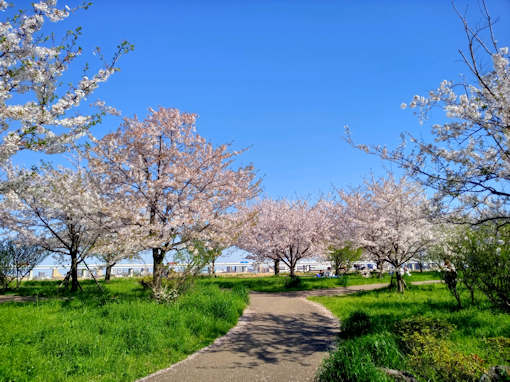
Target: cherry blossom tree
110	248
260	230
390	220
467	159
53	208
35	110
175	186
285	231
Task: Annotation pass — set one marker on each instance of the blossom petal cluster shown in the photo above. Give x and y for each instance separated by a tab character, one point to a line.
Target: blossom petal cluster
35	111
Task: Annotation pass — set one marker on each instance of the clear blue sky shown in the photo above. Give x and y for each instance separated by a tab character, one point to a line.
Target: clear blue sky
284	77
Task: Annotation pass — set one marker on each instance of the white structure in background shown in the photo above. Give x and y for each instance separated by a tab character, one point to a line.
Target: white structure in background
57	272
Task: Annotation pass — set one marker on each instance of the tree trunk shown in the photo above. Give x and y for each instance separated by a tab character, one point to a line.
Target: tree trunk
74	271
292	270
337	269
379	265
400	282
157	270
108	272
276	267
212	269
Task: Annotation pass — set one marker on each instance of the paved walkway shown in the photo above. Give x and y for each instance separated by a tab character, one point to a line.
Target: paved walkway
10	298
280	337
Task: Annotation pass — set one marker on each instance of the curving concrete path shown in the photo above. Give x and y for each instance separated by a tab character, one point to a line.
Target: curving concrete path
279	337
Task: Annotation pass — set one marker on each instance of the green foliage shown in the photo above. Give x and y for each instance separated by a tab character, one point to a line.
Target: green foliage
434	359
419	332
293	282
241	292
358	359
122	337
421	325
342	258
500	345
481	256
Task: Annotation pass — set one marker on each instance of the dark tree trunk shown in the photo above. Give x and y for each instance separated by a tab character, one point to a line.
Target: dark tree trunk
276	267
400	282
292	270
74	271
379	265
108	271
337	268
212	269
157	270
450	279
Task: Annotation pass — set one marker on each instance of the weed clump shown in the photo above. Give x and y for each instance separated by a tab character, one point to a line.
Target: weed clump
293	282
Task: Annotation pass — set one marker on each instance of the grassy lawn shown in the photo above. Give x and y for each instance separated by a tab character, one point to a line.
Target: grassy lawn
122	337
419	331
277	283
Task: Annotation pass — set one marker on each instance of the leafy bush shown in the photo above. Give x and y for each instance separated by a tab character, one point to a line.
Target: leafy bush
408	328
482	260
435	359
501	346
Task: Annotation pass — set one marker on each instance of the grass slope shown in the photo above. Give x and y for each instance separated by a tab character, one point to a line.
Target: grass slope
120	337
408	331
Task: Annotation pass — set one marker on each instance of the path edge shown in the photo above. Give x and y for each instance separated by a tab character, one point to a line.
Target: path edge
241	322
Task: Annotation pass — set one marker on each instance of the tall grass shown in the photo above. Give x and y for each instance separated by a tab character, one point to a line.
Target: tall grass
121	337
420	330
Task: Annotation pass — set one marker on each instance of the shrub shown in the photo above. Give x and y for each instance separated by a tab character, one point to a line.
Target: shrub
407	328
482	261
501	346
430	353
435	359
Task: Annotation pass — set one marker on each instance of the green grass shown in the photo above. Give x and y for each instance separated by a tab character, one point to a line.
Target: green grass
464	350
120	337
277	283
